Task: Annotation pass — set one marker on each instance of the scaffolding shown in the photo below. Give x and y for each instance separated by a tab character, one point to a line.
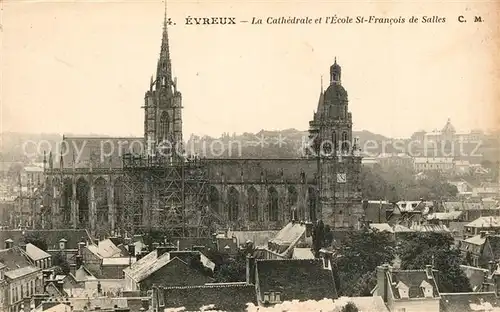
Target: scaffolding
167	195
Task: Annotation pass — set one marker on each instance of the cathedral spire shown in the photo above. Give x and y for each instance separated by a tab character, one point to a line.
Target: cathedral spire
164	70
320	107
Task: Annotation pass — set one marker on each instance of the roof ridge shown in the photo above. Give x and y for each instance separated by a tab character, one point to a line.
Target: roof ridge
224	285
289	260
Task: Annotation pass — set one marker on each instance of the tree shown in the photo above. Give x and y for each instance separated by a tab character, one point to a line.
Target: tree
59	260
359	255
232	269
395	183
318	237
322	237
36	239
350	307
421	249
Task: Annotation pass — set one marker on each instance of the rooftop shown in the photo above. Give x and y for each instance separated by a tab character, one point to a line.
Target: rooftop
296	279
36	253
13	274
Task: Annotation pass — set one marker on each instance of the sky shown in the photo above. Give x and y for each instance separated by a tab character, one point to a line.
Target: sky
84	67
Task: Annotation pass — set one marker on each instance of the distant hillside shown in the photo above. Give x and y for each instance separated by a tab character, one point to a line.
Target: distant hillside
288	143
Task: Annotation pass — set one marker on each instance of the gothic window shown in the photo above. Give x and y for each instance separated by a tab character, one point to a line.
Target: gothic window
312	204
273	204
253	208
214	199
233	204
292	201
334	139
345	142
164	125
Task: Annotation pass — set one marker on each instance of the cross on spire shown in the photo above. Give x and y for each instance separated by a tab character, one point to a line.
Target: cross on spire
165	17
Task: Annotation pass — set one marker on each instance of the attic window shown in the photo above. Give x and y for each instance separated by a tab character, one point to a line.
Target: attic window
272	297
403	290
277	297
161	301
266	297
326	264
427	289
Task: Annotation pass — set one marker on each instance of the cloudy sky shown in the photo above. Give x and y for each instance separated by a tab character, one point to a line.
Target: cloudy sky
84	67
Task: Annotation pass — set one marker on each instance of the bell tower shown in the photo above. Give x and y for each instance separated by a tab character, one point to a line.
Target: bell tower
337	156
163	106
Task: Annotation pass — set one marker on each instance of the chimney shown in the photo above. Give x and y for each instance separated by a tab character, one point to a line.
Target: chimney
428	271
483	234
309	229
131	250
495	279
22	246
62	243
145	304
96	242
9	243
60	285
81	245
250	270
491	266
382	282
78	261
199	248
486	282
72	269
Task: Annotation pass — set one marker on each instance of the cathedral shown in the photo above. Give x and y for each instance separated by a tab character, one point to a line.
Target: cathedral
93	184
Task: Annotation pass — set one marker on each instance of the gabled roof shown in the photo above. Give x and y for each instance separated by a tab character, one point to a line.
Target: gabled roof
186	255
302	253
52	237
296	279
398	228
106	249
122	261
35	253
82	274
476	240
14	258
492	245
485	222
61	307
436	228
52	289
468	302
13	274
258	238
382	227
289	234
224	296
452	215
413	280
136	268
162	261
147	265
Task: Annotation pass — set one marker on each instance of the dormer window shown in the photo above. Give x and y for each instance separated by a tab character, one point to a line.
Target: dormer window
266	297
403	290
427	289
277	297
